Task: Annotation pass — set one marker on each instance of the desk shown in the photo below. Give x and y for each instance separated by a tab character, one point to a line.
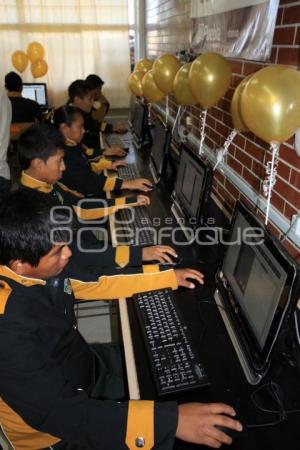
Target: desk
228	383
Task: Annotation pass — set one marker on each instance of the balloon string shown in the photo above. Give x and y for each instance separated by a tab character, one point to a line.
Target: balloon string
149	112
271	174
167	110
224	150
176	118
203	115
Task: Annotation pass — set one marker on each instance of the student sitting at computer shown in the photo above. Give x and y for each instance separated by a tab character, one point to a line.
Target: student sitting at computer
23	109
41	159
49	385
101	105
80	95
79	174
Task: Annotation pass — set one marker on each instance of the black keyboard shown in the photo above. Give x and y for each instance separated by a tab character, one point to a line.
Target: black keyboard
129	172
115	140
174	362
138	229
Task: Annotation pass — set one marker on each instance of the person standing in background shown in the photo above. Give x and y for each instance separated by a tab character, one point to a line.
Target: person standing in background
5	120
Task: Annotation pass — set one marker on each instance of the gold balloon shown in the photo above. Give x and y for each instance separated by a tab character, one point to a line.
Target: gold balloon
135	83
236	112
165	69
35	51
182	90
39	68
150	89
270	103
19	60
209	78
143	65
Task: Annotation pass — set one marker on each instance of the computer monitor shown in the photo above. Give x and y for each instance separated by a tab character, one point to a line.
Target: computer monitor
258	285
139	121
36	92
159	149
192	189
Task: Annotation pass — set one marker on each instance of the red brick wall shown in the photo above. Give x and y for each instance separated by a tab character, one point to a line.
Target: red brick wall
167	25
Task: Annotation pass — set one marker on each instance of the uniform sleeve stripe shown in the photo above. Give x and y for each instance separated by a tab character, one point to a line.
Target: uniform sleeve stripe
122	255
109	184
140	424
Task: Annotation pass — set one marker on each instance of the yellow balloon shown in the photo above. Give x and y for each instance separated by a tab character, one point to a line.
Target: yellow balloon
209	78
39	68
143	65
236	112
150	89
19	60
182	90
135	83
165	69
35	51
270	103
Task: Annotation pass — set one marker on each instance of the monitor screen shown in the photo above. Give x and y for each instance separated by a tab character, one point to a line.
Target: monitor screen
138	119
261	286
192	183
158	149
36	92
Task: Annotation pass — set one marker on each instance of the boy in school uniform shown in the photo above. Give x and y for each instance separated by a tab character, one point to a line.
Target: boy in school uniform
41	157
101	105
48	377
81	174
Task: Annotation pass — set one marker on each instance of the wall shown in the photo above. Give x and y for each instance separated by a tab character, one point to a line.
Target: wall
167	31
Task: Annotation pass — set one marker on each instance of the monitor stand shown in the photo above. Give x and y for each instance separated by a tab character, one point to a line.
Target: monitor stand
251	376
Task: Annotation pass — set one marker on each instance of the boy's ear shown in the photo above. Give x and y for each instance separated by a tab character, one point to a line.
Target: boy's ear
37	163
19	266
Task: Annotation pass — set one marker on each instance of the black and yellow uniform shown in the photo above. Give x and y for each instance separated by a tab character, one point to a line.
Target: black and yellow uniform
46	375
80	176
89	210
24	109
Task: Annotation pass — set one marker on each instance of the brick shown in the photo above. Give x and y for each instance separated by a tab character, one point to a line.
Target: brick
235	80
295	180
277	202
255	151
292	250
232	189
227	120
251	179
258	169
265	145
289	211
297	38
222	129
236	66
226	196
234	164
289	155
217	114
286	191
243	158
279	16
251	68
273	56
224	104
273	230
284	171
211	122
291	15
239	141
289	56
229	94
284	36
219	177
215	137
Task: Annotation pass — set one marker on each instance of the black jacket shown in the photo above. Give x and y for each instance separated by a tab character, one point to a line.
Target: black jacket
46	370
24	109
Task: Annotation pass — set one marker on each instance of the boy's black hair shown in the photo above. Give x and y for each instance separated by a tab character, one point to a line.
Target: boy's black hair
94	81
39	141
29	225
13	82
65	114
79	88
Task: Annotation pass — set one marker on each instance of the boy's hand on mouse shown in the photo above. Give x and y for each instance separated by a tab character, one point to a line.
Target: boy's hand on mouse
138	184
197	421
183	276
117	164
160	253
143	200
114	151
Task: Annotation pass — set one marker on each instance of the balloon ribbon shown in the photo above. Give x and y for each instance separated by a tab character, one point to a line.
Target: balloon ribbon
224	150
176	118
202	129
167	110
271	174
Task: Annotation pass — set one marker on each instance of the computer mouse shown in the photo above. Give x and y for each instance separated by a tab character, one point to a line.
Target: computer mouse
151	188
229	431
126	149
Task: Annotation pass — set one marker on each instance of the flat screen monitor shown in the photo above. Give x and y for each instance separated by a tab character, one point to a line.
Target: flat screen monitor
193	185
258	283
36	92
139	118
160	146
